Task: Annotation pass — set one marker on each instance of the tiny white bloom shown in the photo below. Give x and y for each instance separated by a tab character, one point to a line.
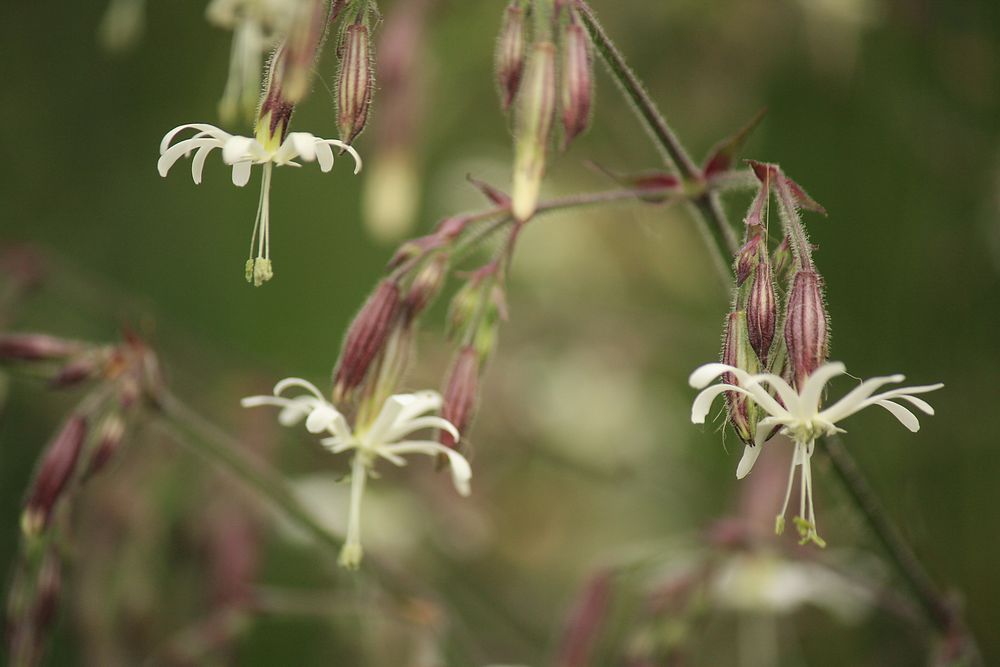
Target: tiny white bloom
242	153
386	436
799	416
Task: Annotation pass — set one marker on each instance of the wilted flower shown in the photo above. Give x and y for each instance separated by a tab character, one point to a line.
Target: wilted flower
799	416
242	153
384	436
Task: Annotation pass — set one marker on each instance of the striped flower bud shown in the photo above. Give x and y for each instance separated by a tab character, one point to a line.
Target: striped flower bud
536	108
35	347
762	311
77	371
576	86
275	107
354	81
806	326
748	258
510	53
425	287
461	393
54	473
109	440
737	352
366	337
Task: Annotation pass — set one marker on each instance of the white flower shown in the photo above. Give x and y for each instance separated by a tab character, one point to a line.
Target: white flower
242	153
385	436
799	416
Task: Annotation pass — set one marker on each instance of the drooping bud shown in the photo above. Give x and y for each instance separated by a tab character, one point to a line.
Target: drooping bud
536	108
366	338
36	347
54	472
109	440
806	326
510	53
305	36
461	393
762	312
354	81
736	352
425	287
577	79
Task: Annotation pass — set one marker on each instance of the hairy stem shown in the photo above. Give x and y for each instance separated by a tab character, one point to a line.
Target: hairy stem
710	216
939	611
724	244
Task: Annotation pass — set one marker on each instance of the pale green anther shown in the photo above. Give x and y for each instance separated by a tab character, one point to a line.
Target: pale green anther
258	271
779	524
807	533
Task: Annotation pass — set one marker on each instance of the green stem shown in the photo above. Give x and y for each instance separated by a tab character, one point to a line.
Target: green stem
939	611
710	216
211	442
724	244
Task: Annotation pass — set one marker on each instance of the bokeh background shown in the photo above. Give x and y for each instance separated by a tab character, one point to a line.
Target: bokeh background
887	111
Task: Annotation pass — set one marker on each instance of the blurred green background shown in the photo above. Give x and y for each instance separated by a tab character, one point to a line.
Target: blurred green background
887	111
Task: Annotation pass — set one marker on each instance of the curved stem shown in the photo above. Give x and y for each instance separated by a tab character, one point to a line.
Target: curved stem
710	216
941	613
211	442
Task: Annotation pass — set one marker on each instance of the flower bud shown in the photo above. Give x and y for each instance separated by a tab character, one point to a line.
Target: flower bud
806	333
75	372
762	311
425	287
577	79
536	108
305	37
275	107
461	393
510	53
737	352
366	337
463	306
354	81
109	440
56	469
781	259
47	589
35	347
748	258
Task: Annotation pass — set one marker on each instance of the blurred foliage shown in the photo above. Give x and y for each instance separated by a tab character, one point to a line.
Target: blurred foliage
887	111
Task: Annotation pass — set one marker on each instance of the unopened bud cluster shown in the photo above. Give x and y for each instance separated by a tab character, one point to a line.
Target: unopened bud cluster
539	72
760	336
93	433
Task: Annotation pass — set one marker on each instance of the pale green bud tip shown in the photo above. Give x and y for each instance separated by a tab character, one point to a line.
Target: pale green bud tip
258	271
524	194
350	556
779	524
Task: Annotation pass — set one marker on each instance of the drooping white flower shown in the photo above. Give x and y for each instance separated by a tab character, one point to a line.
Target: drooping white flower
800	417
387	436
242	153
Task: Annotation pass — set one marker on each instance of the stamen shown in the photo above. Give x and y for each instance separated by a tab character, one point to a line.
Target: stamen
351	553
